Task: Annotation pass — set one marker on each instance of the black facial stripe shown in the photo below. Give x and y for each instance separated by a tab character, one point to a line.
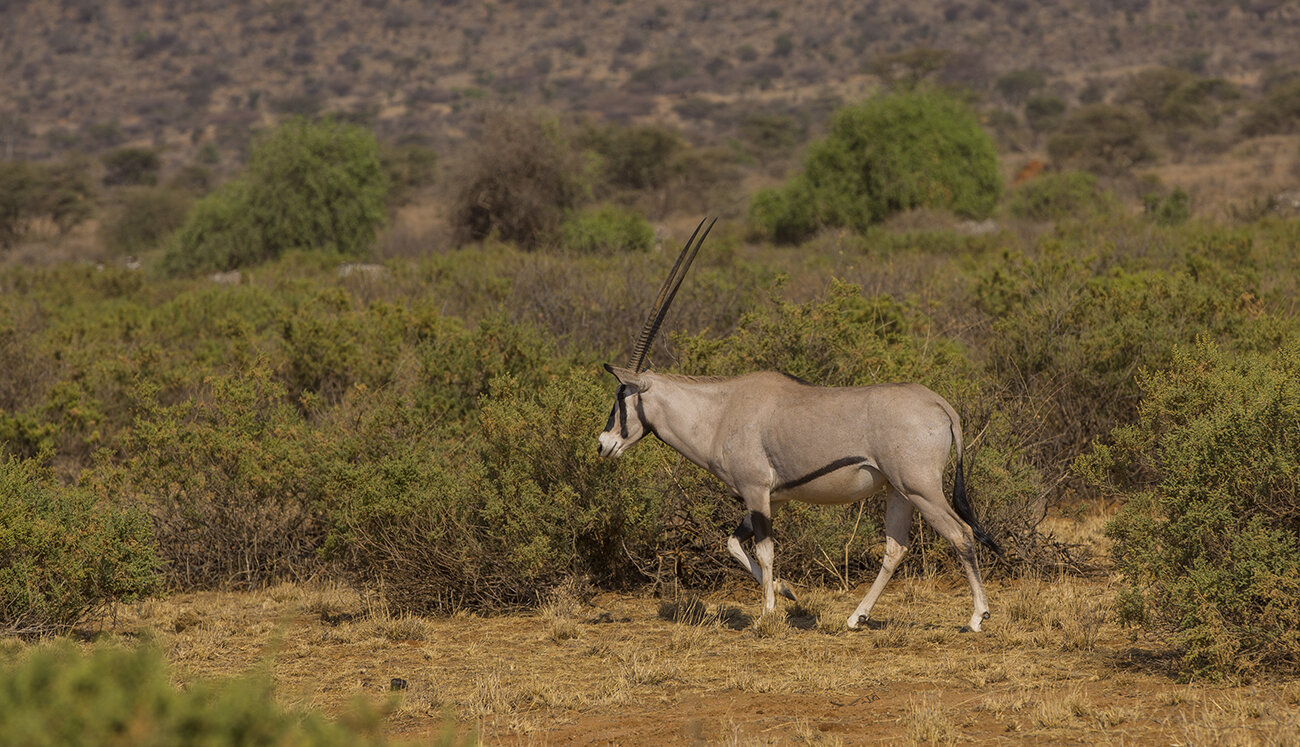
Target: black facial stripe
762	525
622	412
821	472
609	424
640	415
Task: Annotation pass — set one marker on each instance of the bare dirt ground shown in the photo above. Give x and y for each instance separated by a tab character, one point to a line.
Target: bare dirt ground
1053	666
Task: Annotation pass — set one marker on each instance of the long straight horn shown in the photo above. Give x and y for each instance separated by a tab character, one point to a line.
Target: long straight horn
666	295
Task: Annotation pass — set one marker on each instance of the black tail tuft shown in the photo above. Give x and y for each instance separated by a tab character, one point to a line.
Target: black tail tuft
962	504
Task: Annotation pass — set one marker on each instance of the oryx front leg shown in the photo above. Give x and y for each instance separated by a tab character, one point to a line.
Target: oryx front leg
898	529
765	550
735	545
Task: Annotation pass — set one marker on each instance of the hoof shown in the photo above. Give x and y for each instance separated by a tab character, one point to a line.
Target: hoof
784	590
856	622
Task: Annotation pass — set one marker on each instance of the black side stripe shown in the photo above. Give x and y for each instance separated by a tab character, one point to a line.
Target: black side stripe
821	472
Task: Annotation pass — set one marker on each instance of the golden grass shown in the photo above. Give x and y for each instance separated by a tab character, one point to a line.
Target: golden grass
1052	664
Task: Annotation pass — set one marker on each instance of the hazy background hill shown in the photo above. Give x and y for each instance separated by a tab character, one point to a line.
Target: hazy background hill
196	78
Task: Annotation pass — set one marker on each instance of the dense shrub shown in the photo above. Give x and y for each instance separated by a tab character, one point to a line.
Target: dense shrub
1209	535
768	134
1104	139
227	476
788	214
1168	209
1017	85
1149	89
1044	113
890	154
307	186
125	166
1070	335
1068	194
843	339
409	167
1277	114
635	157
63	554
143	219
606	230
61	194
518	181
116	696
498	520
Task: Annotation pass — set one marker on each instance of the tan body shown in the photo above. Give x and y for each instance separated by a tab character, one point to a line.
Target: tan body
772	439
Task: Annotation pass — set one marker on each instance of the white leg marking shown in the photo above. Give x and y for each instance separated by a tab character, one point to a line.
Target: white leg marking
898	529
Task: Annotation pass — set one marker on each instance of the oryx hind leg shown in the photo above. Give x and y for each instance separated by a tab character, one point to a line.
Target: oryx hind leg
898	529
735	545
940	515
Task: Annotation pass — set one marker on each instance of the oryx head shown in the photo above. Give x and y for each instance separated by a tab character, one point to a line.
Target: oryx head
627	423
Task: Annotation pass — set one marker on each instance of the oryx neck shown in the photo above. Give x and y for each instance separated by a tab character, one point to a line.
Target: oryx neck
684	412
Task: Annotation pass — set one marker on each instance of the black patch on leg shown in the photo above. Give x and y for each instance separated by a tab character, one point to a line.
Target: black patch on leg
762	524
745	530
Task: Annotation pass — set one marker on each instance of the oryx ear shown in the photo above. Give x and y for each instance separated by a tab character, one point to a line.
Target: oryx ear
629	378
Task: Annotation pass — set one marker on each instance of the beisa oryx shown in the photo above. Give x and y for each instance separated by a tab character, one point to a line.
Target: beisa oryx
772	438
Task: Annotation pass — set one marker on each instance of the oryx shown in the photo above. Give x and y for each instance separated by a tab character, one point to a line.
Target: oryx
772	438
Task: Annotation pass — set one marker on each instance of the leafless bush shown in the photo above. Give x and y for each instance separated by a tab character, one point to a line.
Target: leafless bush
517	181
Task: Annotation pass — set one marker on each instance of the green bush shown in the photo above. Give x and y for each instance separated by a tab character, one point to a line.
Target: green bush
904	150
1104	139
1069	333
228	476
1069	194
63	554
495	521
607	230
787	214
57	695
143	219
1168	210
1209	536
307	186
842	339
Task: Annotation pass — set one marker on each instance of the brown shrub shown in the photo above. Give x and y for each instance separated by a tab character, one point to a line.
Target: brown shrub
517	181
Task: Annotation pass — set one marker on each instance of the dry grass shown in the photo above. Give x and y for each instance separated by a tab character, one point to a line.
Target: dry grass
1051	666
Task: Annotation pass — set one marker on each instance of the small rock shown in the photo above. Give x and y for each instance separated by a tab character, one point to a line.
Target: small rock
359	268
